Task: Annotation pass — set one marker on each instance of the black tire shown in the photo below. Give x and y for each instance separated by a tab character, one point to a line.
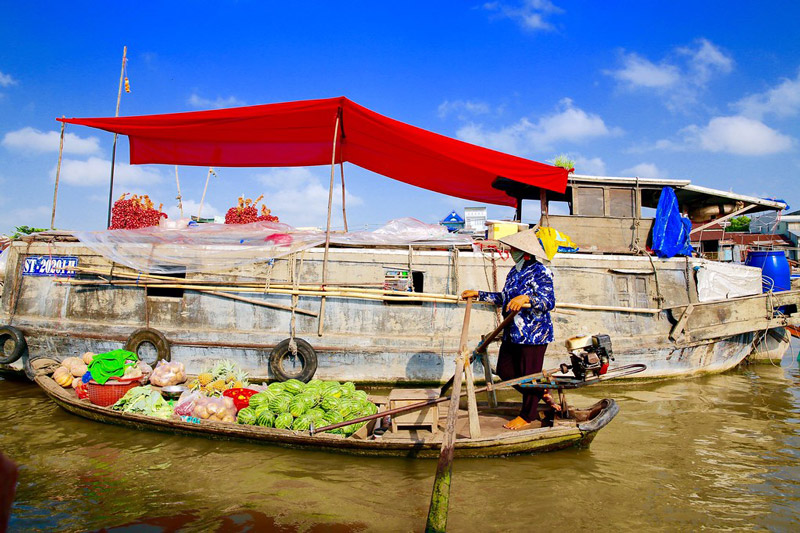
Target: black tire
10	333
149	336
306	357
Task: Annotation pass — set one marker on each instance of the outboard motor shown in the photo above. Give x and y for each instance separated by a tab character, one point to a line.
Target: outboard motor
590	356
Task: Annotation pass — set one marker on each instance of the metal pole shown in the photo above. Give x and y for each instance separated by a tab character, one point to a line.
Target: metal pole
58	175
114	149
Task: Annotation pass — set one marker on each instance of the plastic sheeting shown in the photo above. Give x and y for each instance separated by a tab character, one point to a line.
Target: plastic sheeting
720	281
216	247
671	230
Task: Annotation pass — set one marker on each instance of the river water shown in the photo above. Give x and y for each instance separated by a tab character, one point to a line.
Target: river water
717	452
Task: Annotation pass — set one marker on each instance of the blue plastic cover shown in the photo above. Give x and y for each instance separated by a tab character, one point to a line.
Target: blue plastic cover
671	230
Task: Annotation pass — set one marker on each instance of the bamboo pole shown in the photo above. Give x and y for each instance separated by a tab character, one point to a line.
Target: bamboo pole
114	149
344	210
203	198
472	404
58	175
328	226
179	197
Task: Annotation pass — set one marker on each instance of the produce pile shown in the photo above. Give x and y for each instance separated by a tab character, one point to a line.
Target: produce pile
216	379
246	212
296	405
144	401
135	212
168	373
73	369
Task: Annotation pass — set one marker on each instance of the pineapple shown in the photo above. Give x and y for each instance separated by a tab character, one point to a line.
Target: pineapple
219	385
238	384
205	378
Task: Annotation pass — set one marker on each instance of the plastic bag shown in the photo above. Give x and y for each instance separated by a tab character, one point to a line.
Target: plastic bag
553	241
221	409
671	230
185	404
168	373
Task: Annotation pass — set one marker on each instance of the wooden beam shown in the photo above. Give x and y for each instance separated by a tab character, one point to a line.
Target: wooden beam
722	219
680	326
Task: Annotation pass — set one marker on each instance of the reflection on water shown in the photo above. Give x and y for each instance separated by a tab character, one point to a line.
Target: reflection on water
717	452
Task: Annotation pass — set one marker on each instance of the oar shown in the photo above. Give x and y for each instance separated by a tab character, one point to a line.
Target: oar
440	495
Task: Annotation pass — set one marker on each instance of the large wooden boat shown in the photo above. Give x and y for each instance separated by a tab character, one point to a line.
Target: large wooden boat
656	310
495	441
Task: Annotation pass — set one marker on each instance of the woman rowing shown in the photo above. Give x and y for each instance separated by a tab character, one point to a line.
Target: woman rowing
525	339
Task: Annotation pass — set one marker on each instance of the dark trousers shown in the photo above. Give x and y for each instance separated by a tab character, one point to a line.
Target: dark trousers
517	360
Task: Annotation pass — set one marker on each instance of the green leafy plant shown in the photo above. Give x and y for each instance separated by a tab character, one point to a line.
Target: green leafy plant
741	223
25	230
563	161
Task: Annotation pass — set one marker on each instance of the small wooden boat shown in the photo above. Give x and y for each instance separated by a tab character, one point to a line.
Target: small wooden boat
577	430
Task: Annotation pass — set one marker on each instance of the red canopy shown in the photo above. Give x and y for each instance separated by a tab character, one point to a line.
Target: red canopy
301	134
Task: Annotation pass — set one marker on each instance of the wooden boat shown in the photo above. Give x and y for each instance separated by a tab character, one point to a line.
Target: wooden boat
578	430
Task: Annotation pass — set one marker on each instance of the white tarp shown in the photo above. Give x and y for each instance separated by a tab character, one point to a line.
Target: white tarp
720	281
215	247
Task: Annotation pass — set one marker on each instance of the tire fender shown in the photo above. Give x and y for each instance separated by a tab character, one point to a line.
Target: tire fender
154	337
20	345
306	355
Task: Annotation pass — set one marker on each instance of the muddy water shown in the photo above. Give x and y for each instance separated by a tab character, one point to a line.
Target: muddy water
717	452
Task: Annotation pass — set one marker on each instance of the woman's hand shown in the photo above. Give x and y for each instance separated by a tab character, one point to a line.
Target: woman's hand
469	294
517	302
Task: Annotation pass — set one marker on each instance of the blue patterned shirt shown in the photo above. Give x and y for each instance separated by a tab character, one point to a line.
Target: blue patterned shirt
530	326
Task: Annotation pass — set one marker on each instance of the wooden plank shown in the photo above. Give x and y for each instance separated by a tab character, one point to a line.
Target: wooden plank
678	328
472	403
491	396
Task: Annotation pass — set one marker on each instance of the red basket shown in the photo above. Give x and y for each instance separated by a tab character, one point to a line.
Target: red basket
113	390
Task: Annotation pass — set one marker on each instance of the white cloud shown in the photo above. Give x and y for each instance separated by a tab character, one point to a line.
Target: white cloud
737	135
679	77
644	170
593	166
298	197
192	207
525	137
531	14
640	72
95	171
32	140
196	100
781	101
6	80
462	108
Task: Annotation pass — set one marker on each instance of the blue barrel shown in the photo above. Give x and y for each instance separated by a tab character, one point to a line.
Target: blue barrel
775	273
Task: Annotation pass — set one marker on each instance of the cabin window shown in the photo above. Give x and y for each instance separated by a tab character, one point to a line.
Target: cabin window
621	203
167	292
590	201
400	279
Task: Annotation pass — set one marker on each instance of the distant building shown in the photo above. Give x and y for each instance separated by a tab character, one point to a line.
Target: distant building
788	226
716	243
453	222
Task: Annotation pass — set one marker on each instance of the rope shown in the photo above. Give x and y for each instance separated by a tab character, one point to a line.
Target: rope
455	270
295	297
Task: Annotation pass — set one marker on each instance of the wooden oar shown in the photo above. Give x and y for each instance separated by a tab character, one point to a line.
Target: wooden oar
440	495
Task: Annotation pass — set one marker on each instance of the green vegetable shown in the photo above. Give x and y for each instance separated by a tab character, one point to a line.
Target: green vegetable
144	401
284	421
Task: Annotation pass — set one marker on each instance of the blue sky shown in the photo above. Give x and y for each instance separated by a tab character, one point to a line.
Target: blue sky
707	91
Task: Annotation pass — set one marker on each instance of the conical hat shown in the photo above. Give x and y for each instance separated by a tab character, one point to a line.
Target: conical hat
527	241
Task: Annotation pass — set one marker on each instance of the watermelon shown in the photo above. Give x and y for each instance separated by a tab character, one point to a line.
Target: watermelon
350	386
332	417
298	406
266	418
294	386
330	385
309	399
276	386
360	395
314	384
316	412
302	423
284	421
246	416
280	403
329	403
352	428
259	399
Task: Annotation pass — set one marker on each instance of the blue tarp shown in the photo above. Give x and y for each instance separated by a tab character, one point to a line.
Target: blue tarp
671	230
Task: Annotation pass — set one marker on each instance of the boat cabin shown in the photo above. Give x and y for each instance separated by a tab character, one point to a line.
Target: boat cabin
616	214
